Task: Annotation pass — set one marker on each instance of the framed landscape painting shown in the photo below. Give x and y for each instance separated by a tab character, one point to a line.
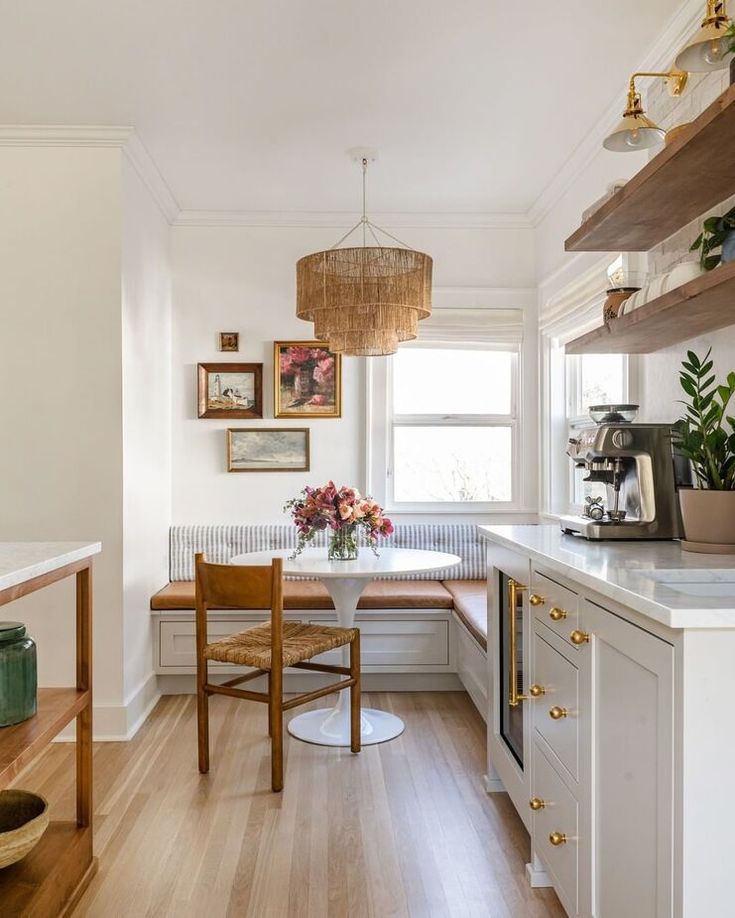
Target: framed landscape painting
307	380
253	449
230	390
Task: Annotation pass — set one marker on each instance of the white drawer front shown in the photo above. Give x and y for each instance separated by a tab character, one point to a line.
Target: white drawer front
559	815
397	643
559	679
382	643
178	641
555	606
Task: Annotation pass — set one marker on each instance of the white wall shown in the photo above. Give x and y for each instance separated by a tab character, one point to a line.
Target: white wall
242	278
146	369
60	372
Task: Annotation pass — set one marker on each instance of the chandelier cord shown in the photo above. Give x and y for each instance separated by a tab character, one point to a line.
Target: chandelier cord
367	224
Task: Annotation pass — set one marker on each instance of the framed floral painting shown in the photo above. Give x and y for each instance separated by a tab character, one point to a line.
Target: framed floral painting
307	380
230	390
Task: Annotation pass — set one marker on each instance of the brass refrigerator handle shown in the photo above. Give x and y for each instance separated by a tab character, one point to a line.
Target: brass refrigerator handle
514	698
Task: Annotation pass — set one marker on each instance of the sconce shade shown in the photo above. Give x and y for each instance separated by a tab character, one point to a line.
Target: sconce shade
708	50
634	132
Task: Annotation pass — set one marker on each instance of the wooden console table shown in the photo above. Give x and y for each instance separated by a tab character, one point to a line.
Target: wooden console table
49	881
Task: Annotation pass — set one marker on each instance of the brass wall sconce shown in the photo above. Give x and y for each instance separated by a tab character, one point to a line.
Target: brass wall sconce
636	131
709	48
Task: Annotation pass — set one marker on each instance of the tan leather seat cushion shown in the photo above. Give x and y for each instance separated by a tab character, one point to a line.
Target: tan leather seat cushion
311	594
470	604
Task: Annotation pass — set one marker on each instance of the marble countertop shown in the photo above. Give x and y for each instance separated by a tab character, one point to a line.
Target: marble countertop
676	588
22	561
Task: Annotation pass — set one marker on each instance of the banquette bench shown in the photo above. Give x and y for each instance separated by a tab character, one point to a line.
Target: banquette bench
427	627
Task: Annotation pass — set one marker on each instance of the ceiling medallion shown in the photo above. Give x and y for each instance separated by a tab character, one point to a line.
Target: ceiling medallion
364	300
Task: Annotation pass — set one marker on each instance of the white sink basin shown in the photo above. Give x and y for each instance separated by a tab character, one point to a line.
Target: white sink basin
711	584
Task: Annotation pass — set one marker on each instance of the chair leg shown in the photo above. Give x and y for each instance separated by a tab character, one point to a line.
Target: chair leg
270	705
355	732
202	718
275	706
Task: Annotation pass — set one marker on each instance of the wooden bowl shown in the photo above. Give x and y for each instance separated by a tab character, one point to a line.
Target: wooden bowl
23	820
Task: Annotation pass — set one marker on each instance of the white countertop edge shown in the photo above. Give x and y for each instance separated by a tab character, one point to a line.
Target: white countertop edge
58	555
693	618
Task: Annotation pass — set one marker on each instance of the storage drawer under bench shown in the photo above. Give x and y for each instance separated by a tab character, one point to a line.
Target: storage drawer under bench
416	641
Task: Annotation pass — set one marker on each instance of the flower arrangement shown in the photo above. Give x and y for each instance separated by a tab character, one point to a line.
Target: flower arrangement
343	511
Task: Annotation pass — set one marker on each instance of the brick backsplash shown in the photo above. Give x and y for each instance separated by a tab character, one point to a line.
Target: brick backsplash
702	89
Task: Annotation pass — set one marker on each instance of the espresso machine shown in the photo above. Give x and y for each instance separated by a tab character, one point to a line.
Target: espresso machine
641	471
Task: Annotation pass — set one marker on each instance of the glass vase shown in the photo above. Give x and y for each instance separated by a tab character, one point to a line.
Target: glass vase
343	544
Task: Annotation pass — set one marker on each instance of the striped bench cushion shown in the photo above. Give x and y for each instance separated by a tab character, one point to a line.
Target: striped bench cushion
220	543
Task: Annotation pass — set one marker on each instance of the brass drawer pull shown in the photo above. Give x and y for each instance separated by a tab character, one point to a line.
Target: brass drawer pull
557	838
556	614
579	637
536	691
556	713
536	803
536	600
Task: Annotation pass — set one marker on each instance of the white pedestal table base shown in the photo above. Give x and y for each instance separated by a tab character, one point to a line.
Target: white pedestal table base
331	726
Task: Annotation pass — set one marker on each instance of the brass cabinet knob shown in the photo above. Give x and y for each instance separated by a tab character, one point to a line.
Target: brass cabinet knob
536	803
556	614
556	713
557	838
579	637
536	691
536	600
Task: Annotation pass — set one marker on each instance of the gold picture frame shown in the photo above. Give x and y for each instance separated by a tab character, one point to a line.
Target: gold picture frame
271	449
307	380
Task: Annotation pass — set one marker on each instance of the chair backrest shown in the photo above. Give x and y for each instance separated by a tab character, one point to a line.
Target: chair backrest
239	586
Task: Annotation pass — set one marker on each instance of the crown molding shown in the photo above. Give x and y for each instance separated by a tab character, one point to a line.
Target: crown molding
124	138
345	219
659	57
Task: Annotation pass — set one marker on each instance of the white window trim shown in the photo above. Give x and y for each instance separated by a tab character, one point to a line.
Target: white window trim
571	310
380	447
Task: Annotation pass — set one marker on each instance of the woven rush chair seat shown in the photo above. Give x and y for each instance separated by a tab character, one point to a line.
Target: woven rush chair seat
300	642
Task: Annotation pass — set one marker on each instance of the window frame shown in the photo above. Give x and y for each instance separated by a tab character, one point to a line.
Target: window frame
513	420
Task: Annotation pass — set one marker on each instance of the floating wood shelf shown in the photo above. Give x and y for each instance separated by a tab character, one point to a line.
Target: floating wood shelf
703	305
690	175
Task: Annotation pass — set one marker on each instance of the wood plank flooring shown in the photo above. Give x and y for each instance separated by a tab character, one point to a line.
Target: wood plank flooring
403	829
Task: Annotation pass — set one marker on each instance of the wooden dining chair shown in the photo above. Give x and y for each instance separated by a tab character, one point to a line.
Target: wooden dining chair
269	648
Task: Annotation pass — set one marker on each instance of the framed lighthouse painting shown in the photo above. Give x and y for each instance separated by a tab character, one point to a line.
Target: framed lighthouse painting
230	390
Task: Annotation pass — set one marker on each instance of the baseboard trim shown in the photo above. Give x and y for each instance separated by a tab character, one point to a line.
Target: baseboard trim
493	785
304	682
119	723
538	878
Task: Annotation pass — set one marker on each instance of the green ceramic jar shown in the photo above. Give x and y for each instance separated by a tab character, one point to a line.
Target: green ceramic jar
18	680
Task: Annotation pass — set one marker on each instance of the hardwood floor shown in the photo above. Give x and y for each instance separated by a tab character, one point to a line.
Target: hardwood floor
403	829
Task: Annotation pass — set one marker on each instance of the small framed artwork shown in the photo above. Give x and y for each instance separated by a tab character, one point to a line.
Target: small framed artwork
253	449
229	341
230	390
307	380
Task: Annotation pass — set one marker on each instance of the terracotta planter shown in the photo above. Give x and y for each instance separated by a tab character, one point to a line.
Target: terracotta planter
709	520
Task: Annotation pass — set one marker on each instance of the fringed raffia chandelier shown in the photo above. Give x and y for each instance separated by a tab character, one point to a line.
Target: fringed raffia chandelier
364	300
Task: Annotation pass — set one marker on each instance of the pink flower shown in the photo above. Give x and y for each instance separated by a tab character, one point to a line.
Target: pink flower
318	400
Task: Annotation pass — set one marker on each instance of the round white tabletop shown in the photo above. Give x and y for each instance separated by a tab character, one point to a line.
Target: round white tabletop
345	581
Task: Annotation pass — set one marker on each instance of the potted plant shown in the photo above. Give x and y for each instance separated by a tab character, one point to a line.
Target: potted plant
717	232
706	436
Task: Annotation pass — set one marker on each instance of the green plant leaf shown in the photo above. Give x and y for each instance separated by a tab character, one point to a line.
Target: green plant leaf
711	262
693	359
711	224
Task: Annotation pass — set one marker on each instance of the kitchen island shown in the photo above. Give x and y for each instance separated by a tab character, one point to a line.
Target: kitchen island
612	674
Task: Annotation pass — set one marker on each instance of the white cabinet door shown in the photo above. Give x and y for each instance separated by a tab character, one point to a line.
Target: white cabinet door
631	679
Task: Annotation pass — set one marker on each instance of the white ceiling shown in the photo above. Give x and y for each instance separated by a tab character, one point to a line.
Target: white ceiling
251	104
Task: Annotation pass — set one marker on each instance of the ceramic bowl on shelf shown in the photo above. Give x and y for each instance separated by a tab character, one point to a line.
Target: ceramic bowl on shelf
23	820
682	274
654	288
632	303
